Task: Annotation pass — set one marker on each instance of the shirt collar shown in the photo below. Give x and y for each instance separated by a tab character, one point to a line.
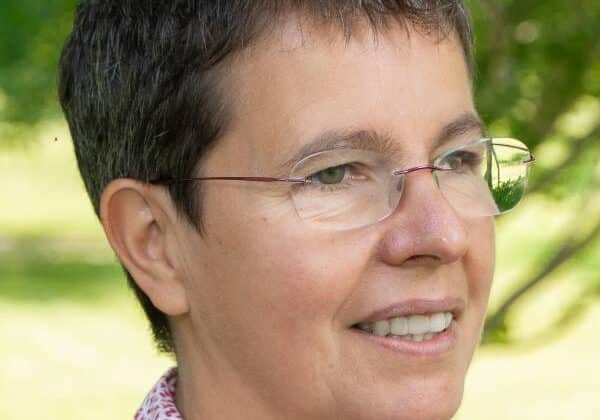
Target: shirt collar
159	404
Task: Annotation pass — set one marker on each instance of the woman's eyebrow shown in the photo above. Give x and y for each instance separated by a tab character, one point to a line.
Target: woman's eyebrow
344	139
464	124
381	143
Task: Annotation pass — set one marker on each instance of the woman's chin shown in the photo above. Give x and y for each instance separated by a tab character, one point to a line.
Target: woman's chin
416	401
425	408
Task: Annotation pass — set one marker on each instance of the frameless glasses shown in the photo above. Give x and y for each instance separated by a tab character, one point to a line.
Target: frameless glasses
350	188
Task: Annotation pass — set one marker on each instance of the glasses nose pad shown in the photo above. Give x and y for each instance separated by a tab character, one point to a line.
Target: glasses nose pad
396	188
436	178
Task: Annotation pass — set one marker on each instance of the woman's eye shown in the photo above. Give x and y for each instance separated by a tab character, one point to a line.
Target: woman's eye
454	161
460	160
333	175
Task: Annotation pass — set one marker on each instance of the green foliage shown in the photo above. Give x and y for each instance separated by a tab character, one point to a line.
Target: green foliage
536	61
32	33
538	80
507	194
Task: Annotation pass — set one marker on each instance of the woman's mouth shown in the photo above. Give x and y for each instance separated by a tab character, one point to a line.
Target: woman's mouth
412	328
424	335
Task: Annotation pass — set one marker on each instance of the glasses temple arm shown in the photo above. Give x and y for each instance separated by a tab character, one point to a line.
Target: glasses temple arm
171	181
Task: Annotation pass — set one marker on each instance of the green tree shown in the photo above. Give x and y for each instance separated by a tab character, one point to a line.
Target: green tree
538	79
31	33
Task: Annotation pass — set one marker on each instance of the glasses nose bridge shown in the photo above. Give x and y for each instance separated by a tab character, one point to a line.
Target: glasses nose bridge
407	171
400	174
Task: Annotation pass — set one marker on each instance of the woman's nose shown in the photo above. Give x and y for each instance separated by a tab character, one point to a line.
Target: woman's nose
424	227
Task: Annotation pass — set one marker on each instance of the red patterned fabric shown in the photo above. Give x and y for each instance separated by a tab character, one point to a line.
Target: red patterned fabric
159	404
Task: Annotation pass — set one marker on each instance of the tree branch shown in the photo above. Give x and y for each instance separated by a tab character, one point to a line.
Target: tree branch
564	253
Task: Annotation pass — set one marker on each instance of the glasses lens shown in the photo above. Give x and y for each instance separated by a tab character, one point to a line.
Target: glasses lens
348	188
485	178
345	189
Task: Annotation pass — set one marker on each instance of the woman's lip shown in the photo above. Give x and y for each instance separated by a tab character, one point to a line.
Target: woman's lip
454	305
437	346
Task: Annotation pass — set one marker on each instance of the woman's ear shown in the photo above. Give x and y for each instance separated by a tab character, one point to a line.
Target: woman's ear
137	219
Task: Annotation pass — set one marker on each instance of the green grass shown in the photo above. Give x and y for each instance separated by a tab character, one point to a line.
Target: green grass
73	340
553	380
42	195
75	346
70	360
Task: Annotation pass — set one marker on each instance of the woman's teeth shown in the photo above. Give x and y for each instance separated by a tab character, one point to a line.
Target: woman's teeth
415	327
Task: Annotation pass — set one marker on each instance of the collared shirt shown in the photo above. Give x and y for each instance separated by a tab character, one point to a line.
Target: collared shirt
159	404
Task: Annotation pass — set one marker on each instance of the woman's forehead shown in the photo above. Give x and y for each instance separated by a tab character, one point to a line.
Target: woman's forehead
404	85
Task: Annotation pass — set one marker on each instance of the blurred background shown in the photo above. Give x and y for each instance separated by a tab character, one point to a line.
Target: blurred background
74	345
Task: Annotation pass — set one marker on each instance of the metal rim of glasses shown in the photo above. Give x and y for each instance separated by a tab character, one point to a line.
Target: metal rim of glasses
502	142
492	200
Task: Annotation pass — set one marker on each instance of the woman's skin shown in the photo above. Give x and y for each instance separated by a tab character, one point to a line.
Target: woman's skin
262	304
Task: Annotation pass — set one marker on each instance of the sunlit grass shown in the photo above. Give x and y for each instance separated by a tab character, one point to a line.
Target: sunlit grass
41	191
555	380
69	360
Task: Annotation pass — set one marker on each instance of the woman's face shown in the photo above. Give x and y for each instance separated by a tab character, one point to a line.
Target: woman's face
274	301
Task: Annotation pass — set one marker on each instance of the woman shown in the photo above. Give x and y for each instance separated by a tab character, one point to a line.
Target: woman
301	194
